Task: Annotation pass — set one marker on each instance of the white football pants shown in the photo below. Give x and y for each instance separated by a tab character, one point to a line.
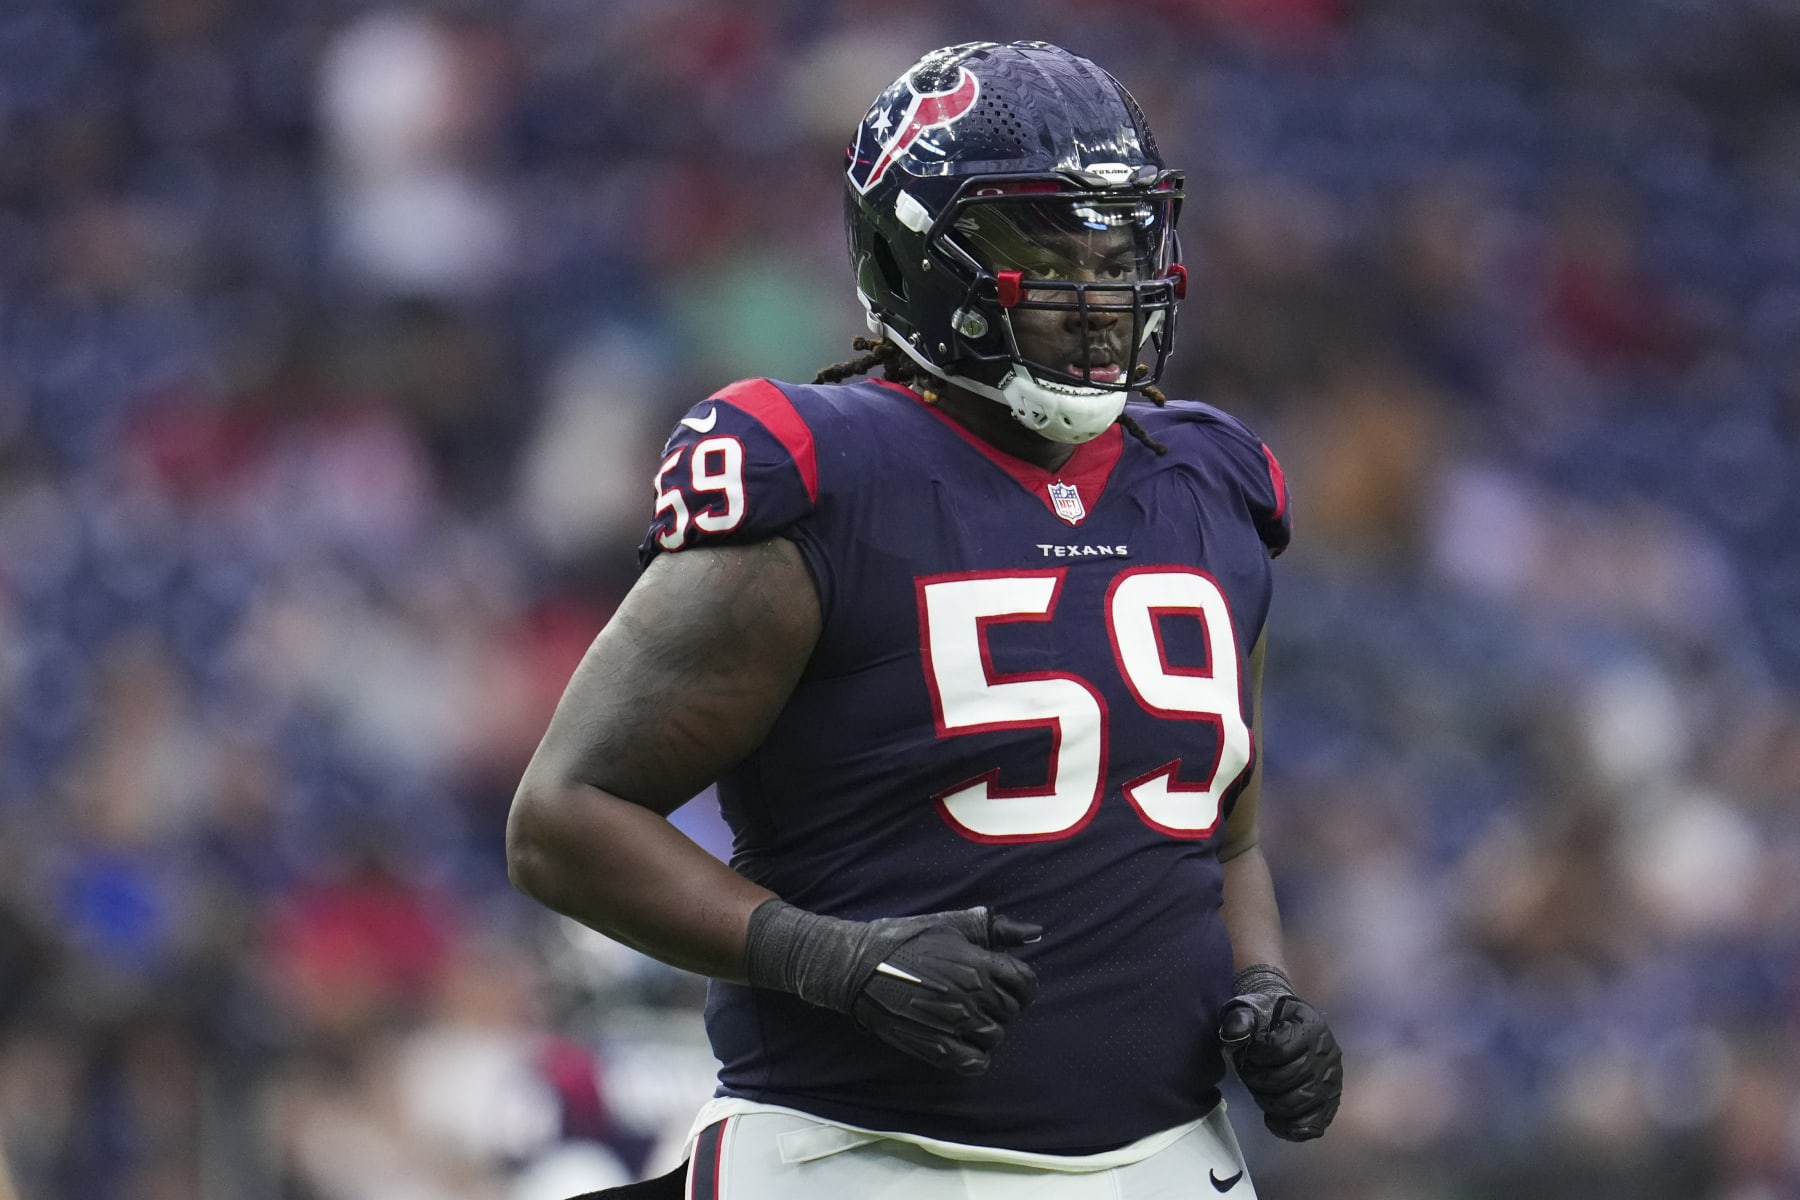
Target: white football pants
779	1154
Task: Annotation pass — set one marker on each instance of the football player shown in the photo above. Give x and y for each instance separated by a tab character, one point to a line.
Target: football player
973	650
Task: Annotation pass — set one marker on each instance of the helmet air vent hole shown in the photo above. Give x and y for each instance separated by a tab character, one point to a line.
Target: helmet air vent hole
890	270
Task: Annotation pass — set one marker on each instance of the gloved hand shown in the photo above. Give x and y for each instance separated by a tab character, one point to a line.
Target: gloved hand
1284	1053
937	986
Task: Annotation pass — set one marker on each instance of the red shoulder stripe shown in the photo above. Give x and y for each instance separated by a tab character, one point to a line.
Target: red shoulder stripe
770	405
1279	480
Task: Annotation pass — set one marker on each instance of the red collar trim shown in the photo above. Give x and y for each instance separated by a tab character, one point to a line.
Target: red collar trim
1088	469
899	387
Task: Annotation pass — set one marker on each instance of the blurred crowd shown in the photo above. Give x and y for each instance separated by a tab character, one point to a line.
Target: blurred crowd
336	342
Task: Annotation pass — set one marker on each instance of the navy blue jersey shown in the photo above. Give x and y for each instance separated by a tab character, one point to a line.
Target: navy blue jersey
1031	691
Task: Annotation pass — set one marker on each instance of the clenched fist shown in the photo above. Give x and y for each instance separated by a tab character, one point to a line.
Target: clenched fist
1284	1053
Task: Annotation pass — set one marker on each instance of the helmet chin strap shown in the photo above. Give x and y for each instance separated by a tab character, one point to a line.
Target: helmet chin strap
1070	415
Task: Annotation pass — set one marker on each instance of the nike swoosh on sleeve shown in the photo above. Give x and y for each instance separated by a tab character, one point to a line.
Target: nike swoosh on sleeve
702	424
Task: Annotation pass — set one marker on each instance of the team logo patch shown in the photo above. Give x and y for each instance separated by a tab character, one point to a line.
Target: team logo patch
900	117
1065	499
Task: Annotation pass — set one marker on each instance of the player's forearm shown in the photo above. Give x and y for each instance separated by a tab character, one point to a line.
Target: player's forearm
1251	916
625	871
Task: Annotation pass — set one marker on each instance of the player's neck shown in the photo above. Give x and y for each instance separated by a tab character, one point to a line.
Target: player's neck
990	421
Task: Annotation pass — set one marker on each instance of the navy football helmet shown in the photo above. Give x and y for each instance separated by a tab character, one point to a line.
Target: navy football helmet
1012	229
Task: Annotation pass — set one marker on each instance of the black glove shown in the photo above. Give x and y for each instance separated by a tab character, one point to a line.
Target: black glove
1284	1052
934	986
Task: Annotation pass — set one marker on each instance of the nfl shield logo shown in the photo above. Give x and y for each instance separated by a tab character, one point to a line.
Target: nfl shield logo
1067	502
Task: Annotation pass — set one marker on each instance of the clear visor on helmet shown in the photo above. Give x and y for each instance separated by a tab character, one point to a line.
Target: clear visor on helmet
1074	238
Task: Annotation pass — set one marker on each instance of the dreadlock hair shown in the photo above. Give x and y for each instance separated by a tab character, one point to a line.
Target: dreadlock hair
1154	395
878	352
896	366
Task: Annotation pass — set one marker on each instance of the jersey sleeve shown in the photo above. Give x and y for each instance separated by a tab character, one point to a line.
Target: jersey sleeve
1269	501
1260	477
740	467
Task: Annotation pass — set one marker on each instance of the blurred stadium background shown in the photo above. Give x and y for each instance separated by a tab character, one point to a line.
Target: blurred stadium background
336	341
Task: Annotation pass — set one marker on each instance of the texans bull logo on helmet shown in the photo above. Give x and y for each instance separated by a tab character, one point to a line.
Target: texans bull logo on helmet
901	115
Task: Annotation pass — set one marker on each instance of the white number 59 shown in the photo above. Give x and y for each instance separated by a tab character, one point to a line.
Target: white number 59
717	466
970	696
